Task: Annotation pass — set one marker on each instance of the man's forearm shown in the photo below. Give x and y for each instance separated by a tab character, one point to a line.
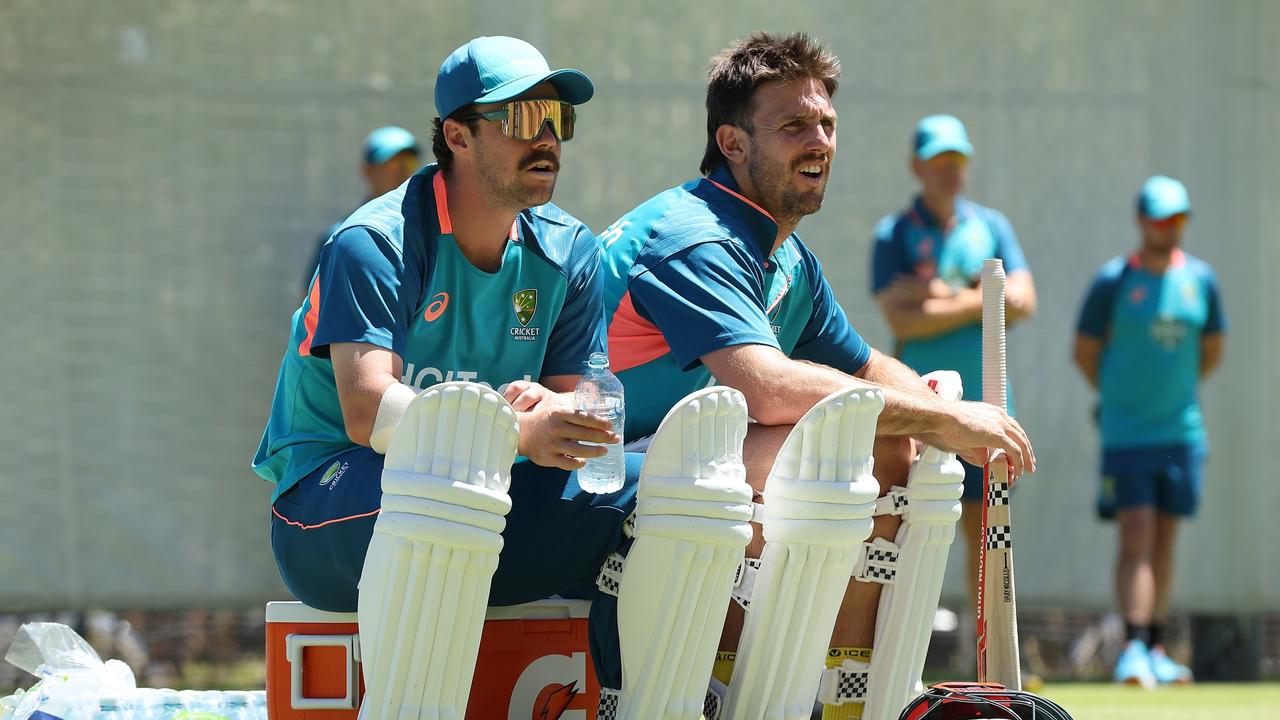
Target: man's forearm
937	315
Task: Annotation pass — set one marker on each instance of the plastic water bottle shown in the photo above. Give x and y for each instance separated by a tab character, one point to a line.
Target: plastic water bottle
600	393
171	704
235	706
258	704
110	708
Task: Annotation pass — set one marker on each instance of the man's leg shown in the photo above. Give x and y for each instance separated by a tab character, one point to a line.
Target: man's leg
672	588
1135	591
818	505
1135	576
1178	496
891	468
426	577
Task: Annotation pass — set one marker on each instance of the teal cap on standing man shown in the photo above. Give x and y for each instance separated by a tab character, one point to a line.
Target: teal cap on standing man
937	134
1163	197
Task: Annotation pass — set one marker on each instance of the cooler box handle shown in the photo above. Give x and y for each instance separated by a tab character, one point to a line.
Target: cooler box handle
294	645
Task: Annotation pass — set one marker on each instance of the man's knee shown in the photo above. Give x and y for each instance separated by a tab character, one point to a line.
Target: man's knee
893	456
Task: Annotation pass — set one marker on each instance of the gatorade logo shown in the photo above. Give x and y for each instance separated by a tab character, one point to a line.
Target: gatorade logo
436	307
548	687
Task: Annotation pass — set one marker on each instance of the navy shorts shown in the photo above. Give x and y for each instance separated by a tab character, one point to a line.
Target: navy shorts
556	538
1166	477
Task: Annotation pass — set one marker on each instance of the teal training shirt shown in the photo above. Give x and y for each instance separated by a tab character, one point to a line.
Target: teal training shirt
1151	327
689	272
393	276
914	243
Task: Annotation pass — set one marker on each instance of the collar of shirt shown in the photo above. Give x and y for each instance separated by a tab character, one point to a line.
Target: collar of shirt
756	221
443	220
922	215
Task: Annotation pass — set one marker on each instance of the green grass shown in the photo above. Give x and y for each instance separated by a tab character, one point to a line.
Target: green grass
1204	701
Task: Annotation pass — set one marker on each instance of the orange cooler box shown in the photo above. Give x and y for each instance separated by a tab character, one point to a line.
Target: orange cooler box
534	664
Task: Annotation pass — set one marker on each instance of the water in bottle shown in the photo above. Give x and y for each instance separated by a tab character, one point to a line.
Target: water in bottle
599	392
109	708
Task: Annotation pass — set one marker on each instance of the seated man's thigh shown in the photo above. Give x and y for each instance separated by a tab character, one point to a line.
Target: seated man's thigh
320	529
557	535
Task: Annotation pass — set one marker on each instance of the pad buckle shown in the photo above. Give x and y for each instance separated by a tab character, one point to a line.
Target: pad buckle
609	581
744	583
845	683
894	502
878	562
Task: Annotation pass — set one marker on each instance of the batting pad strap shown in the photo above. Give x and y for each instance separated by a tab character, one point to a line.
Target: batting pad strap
844	683
745	582
608	707
878	562
893	503
610	578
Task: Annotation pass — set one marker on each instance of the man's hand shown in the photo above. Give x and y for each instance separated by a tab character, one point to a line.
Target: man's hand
552	431
973	428
525	395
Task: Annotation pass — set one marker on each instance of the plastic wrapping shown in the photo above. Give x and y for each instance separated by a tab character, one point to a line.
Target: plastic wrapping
72	677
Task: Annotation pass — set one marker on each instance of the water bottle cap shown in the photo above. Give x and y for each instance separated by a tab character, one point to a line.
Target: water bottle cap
598	360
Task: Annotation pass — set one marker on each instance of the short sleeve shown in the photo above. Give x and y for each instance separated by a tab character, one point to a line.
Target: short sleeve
828	338
580	327
888	256
1095	315
363	293
1007	247
1216	319
704	298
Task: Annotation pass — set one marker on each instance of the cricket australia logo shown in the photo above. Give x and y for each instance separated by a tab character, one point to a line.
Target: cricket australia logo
333	474
525	304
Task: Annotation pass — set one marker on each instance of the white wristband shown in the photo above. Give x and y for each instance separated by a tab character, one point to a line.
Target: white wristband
395	400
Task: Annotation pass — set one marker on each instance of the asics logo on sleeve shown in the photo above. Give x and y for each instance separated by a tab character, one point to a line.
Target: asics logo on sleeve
436	307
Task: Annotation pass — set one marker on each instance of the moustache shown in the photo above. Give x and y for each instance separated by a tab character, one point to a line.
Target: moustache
538	156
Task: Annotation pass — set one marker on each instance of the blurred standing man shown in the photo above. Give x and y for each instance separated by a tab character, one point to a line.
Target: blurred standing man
925	268
390	156
1150	330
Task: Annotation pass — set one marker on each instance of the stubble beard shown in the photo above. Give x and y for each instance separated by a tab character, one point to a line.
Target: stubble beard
507	190
779	195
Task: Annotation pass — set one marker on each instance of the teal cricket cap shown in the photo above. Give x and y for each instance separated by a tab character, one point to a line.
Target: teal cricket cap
387	142
1163	197
937	134
496	69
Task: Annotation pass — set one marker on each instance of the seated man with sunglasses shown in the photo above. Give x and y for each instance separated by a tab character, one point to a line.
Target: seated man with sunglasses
394	462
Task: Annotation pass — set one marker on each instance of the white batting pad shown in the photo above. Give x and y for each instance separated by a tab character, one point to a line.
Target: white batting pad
426	577
818	503
693	522
904	619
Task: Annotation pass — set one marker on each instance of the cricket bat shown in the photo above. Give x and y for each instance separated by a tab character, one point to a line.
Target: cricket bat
997	600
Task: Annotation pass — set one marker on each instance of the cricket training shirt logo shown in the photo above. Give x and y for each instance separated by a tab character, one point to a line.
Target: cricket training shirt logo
436	307
525	304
